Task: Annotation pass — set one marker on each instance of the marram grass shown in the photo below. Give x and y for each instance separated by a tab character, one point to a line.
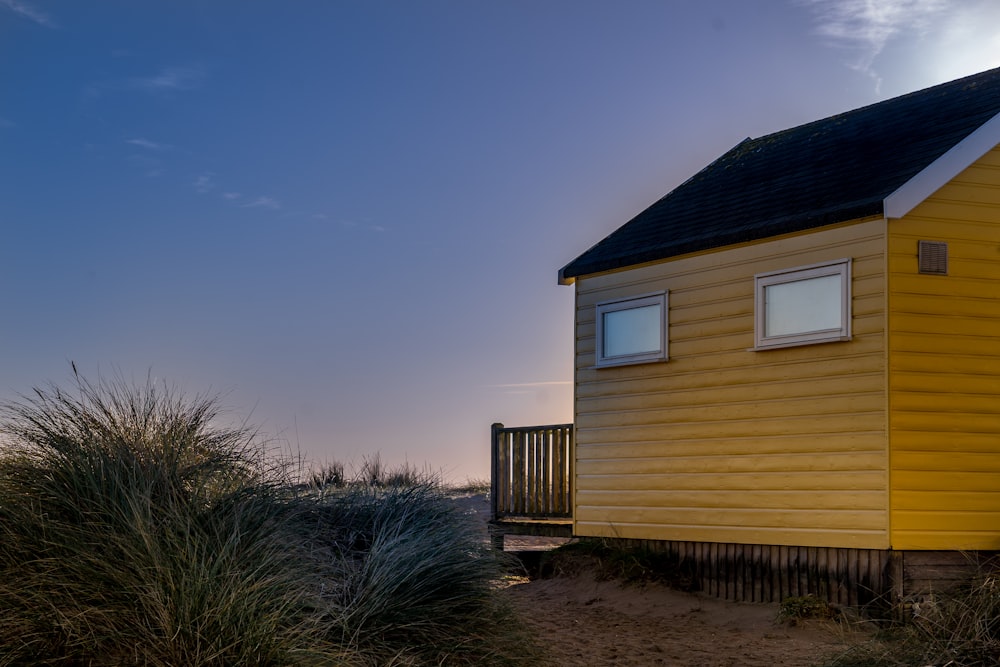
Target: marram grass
136	531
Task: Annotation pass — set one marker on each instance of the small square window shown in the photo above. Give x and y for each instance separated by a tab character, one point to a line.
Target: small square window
632	331
804	305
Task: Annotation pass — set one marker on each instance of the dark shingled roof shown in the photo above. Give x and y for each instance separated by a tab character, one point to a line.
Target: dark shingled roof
832	170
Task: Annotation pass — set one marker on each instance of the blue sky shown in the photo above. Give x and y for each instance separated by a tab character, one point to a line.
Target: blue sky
347	217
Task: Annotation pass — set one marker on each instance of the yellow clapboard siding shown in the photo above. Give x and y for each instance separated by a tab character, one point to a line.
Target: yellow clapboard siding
973	383
951	286
945	323
805	480
969	307
966	240
775	444
816	413
759	518
949	442
963	191
754	411
946	422
801	427
793	375
932	482
944	360
955	521
710	345
912	371
946	540
979	462
818	463
908	347
829	500
701	311
903	258
946	401
965	500
946	208
735	394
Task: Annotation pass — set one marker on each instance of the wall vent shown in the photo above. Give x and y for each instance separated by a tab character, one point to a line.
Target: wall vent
932	257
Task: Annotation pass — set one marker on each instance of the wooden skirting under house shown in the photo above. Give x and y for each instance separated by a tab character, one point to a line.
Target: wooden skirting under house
850	577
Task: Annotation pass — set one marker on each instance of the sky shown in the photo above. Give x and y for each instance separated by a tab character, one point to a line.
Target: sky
346	219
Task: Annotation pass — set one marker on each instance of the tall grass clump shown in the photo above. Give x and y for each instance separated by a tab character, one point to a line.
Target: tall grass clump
417	580
961	629
136	530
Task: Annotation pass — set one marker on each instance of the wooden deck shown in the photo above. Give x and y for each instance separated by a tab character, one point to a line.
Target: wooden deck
530	475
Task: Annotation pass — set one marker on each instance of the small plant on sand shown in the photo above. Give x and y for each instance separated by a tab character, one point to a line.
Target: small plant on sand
800	608
136	530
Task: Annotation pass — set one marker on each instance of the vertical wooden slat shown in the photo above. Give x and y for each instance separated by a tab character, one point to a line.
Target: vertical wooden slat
517	478
495	431
756	573
538	439
854	578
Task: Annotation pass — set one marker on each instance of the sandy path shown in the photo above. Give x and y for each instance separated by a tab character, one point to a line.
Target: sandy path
586	623
583	623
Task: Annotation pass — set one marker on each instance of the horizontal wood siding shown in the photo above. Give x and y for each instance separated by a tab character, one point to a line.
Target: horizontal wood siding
724	444
944	359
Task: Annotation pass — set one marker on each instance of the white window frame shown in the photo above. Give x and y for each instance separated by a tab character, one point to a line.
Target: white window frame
840	267
616	305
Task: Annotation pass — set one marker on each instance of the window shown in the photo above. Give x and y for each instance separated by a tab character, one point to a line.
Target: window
808	304
632	331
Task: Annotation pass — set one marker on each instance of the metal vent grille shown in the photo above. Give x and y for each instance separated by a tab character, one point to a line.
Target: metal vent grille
932	257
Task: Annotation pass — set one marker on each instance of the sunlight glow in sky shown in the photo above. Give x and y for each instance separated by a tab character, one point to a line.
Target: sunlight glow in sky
347	217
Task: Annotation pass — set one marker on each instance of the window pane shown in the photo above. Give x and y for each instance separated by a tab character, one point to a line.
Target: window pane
632	331
803	306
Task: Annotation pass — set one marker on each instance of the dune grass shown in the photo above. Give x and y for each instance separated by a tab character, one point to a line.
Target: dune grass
136	530
961	629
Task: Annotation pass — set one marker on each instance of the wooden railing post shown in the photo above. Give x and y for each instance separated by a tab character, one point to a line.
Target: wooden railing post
496	432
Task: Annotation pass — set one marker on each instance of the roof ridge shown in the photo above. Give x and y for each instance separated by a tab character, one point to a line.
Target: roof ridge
955	83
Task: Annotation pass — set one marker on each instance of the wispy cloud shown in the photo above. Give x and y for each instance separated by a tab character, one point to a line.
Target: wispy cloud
147	144
350	224
231	196
866	26
26	10
204	183
263	202
170	79
167	81
6	123
528	385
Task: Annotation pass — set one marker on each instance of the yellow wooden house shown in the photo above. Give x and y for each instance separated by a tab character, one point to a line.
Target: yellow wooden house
792	361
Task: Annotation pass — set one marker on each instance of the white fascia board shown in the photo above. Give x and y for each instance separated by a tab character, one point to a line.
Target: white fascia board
960	156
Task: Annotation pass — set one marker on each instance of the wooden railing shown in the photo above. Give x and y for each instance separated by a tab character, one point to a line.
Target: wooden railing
531	471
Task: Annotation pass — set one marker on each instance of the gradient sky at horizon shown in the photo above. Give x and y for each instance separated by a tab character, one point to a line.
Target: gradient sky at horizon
347	217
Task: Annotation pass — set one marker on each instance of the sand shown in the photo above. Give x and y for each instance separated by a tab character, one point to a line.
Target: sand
582	622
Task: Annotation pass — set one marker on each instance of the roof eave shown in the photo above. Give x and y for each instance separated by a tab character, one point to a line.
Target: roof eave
564	279
953	162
